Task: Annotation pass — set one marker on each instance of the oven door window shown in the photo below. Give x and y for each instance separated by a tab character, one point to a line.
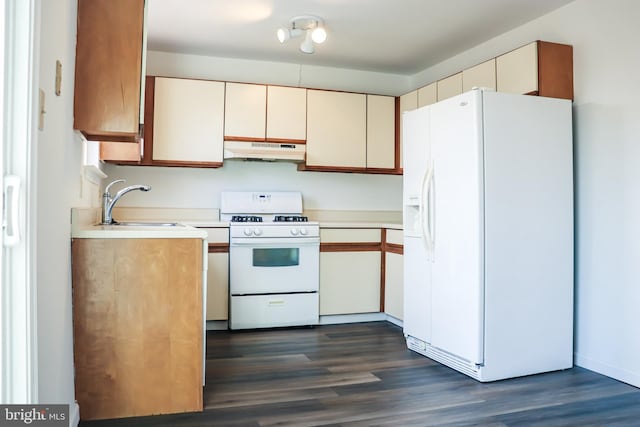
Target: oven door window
276	257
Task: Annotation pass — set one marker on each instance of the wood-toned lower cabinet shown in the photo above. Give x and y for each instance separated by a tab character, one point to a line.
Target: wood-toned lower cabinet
393	274
137	326
218	274
350	271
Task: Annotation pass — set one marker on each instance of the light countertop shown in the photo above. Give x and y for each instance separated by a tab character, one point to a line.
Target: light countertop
85	225
190	220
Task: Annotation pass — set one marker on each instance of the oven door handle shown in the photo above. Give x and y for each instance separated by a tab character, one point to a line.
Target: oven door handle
274	242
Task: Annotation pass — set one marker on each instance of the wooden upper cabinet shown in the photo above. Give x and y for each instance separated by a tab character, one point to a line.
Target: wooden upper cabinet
245	112
381	130
336	129
539	68
286	113
187	122
481	75
108	74
428	95
450	86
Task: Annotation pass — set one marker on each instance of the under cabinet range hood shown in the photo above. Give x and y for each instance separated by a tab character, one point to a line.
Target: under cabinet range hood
268	151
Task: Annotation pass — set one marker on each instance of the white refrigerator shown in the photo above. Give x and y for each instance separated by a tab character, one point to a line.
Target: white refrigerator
488	233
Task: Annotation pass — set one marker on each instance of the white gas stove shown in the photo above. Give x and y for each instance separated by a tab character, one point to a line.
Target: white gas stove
274	255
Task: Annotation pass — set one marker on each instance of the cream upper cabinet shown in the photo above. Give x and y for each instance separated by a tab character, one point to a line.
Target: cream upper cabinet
381	132
517	71
539	68
408	102
286	113
188	120
428	95
451	86
481	75
245	111
336	129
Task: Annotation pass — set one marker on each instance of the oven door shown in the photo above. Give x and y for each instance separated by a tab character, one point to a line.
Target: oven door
274	265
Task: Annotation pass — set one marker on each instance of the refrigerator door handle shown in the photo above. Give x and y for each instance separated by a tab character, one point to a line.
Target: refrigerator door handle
425	209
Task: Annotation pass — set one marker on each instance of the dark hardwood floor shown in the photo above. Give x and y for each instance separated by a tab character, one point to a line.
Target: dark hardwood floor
363	375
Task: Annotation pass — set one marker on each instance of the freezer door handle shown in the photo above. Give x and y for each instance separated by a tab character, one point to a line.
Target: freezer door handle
424	211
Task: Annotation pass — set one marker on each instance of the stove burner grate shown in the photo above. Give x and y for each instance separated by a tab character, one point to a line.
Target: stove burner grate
246	218
290	218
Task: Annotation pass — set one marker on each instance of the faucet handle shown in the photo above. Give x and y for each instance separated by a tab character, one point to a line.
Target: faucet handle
106	190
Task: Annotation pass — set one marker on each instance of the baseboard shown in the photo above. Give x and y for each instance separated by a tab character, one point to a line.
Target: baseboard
223	325
217	325
632	378
335	319
74	414
395	321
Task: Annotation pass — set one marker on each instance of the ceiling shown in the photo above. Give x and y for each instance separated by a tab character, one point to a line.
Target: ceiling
390	36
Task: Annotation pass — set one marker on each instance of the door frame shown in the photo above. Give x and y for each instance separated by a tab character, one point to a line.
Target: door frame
18	304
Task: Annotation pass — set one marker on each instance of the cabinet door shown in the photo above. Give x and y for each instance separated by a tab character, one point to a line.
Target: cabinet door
245	111
188	120
108	69
517	71
481	75
394	274
451	86
349	282
393	278
428	95
408	102
381	132
350	278
336	129
286	113
218	286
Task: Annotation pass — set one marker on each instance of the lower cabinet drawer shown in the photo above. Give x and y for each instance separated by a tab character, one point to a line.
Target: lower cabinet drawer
269	311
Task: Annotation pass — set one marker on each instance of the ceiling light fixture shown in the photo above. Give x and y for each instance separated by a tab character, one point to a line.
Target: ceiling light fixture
311	26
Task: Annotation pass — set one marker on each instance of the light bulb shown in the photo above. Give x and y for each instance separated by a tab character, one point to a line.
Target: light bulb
319	35
283	35
307	45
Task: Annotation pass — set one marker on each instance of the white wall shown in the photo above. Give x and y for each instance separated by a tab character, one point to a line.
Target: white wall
606	58
200	188
280	73
59	188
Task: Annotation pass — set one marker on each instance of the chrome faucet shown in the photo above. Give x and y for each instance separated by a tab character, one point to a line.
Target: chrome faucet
108	202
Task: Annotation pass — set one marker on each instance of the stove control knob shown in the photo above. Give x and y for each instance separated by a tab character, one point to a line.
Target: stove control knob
257	231
248	231
294	231
303	231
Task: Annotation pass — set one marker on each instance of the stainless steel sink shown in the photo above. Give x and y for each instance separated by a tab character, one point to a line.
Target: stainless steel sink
146	224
